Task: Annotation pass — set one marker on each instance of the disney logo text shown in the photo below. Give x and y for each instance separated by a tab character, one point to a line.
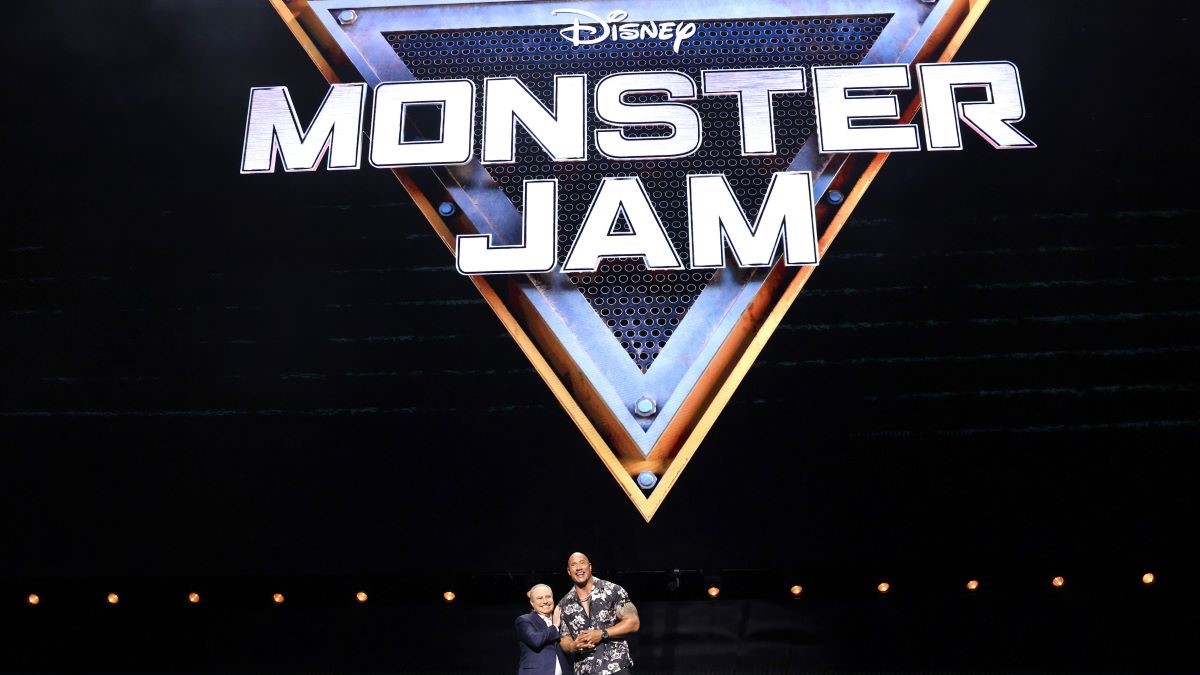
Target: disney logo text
611	27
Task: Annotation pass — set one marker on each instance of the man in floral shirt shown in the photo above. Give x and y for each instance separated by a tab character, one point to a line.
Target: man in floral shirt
596	617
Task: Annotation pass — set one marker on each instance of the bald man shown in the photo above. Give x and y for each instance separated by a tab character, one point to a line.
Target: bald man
597	619
539	636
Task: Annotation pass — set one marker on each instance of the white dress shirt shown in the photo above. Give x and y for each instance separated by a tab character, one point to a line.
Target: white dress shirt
557	662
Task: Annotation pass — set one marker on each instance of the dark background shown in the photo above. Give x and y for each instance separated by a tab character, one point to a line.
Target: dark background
255	383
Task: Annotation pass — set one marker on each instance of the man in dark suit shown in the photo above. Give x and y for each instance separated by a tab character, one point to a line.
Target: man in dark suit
538	633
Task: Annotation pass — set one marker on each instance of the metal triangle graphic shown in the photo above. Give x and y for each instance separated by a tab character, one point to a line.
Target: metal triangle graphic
642	360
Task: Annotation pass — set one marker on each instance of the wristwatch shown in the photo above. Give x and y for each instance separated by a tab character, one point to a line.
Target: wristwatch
603	633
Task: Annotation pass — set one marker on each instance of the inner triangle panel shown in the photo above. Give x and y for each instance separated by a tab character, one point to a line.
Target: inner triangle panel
643	307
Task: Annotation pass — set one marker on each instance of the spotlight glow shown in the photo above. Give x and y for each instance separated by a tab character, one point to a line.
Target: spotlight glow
972	585
796	590
34	599
361	596
449	596
113	598
713	591
1148	578
1058	582
194	598
278	598
883	587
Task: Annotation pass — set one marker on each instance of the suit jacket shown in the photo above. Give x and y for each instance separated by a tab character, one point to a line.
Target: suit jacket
539	646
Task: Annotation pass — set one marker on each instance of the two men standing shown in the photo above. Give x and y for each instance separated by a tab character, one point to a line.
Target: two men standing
592	621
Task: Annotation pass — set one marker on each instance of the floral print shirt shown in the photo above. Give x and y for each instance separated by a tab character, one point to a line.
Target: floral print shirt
611	655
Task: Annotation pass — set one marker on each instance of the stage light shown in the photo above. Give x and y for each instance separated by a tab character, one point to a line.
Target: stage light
278	598
361	596
972	585
194	598
449	596
34	599
712	585
1148	578
796	590
113	598
883	587
1058	582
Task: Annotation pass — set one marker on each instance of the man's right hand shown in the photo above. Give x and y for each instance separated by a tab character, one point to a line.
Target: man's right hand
557	617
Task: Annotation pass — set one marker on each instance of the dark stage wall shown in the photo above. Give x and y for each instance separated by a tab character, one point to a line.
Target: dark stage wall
254	378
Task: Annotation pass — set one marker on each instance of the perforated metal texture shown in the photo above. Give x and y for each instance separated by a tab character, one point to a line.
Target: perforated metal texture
642	307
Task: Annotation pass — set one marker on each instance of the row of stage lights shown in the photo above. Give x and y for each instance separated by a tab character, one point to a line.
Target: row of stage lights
193	598
884	587
713	591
